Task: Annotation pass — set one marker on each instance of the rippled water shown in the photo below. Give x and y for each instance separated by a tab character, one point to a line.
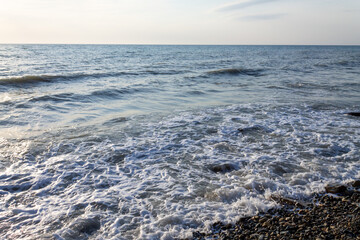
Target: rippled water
154	142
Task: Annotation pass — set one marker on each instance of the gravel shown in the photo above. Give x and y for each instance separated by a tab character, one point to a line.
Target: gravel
334	214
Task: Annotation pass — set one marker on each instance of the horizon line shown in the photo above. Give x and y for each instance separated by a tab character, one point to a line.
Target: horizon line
179	44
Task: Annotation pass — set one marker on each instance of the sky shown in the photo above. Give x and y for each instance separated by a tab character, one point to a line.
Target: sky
304	22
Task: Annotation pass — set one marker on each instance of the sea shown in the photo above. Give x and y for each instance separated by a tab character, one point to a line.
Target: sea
158	142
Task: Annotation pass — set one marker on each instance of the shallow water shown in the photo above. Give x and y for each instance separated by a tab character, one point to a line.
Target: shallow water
151	142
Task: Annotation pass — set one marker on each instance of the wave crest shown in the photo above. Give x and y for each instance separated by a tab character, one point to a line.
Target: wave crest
27	79
30	79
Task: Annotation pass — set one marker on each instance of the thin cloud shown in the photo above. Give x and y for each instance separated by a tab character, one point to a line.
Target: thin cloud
242	5
262	17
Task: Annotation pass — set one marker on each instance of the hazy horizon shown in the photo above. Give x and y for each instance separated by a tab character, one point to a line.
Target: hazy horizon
170	22
188	44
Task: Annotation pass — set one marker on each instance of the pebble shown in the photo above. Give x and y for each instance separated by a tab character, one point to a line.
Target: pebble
336	189
322	217
355	114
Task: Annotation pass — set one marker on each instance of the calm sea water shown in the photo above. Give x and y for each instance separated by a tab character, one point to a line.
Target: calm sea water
143	142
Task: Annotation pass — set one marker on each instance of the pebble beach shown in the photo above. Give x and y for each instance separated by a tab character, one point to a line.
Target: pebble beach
334	214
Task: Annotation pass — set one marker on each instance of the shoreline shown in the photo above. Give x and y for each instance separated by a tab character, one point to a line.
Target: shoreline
333	214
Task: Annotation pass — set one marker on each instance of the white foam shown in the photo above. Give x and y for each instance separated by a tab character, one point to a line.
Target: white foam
156	181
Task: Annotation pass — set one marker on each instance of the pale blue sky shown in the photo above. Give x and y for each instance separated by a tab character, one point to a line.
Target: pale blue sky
180	21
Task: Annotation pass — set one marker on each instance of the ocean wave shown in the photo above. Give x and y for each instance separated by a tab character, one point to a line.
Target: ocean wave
237	71
168	72
114	93
36	79
196	92
109	93
30	79
344	63
297	69
27	79
348	63
62	97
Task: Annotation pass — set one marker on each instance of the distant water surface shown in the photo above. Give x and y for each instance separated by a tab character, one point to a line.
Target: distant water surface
155	142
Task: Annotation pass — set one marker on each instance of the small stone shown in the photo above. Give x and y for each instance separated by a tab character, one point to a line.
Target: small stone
262	220
335	189
302	211
224	168
355	114
255	236
356	184
267	223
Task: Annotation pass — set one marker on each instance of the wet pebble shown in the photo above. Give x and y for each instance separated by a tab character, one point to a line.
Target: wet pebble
324	216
